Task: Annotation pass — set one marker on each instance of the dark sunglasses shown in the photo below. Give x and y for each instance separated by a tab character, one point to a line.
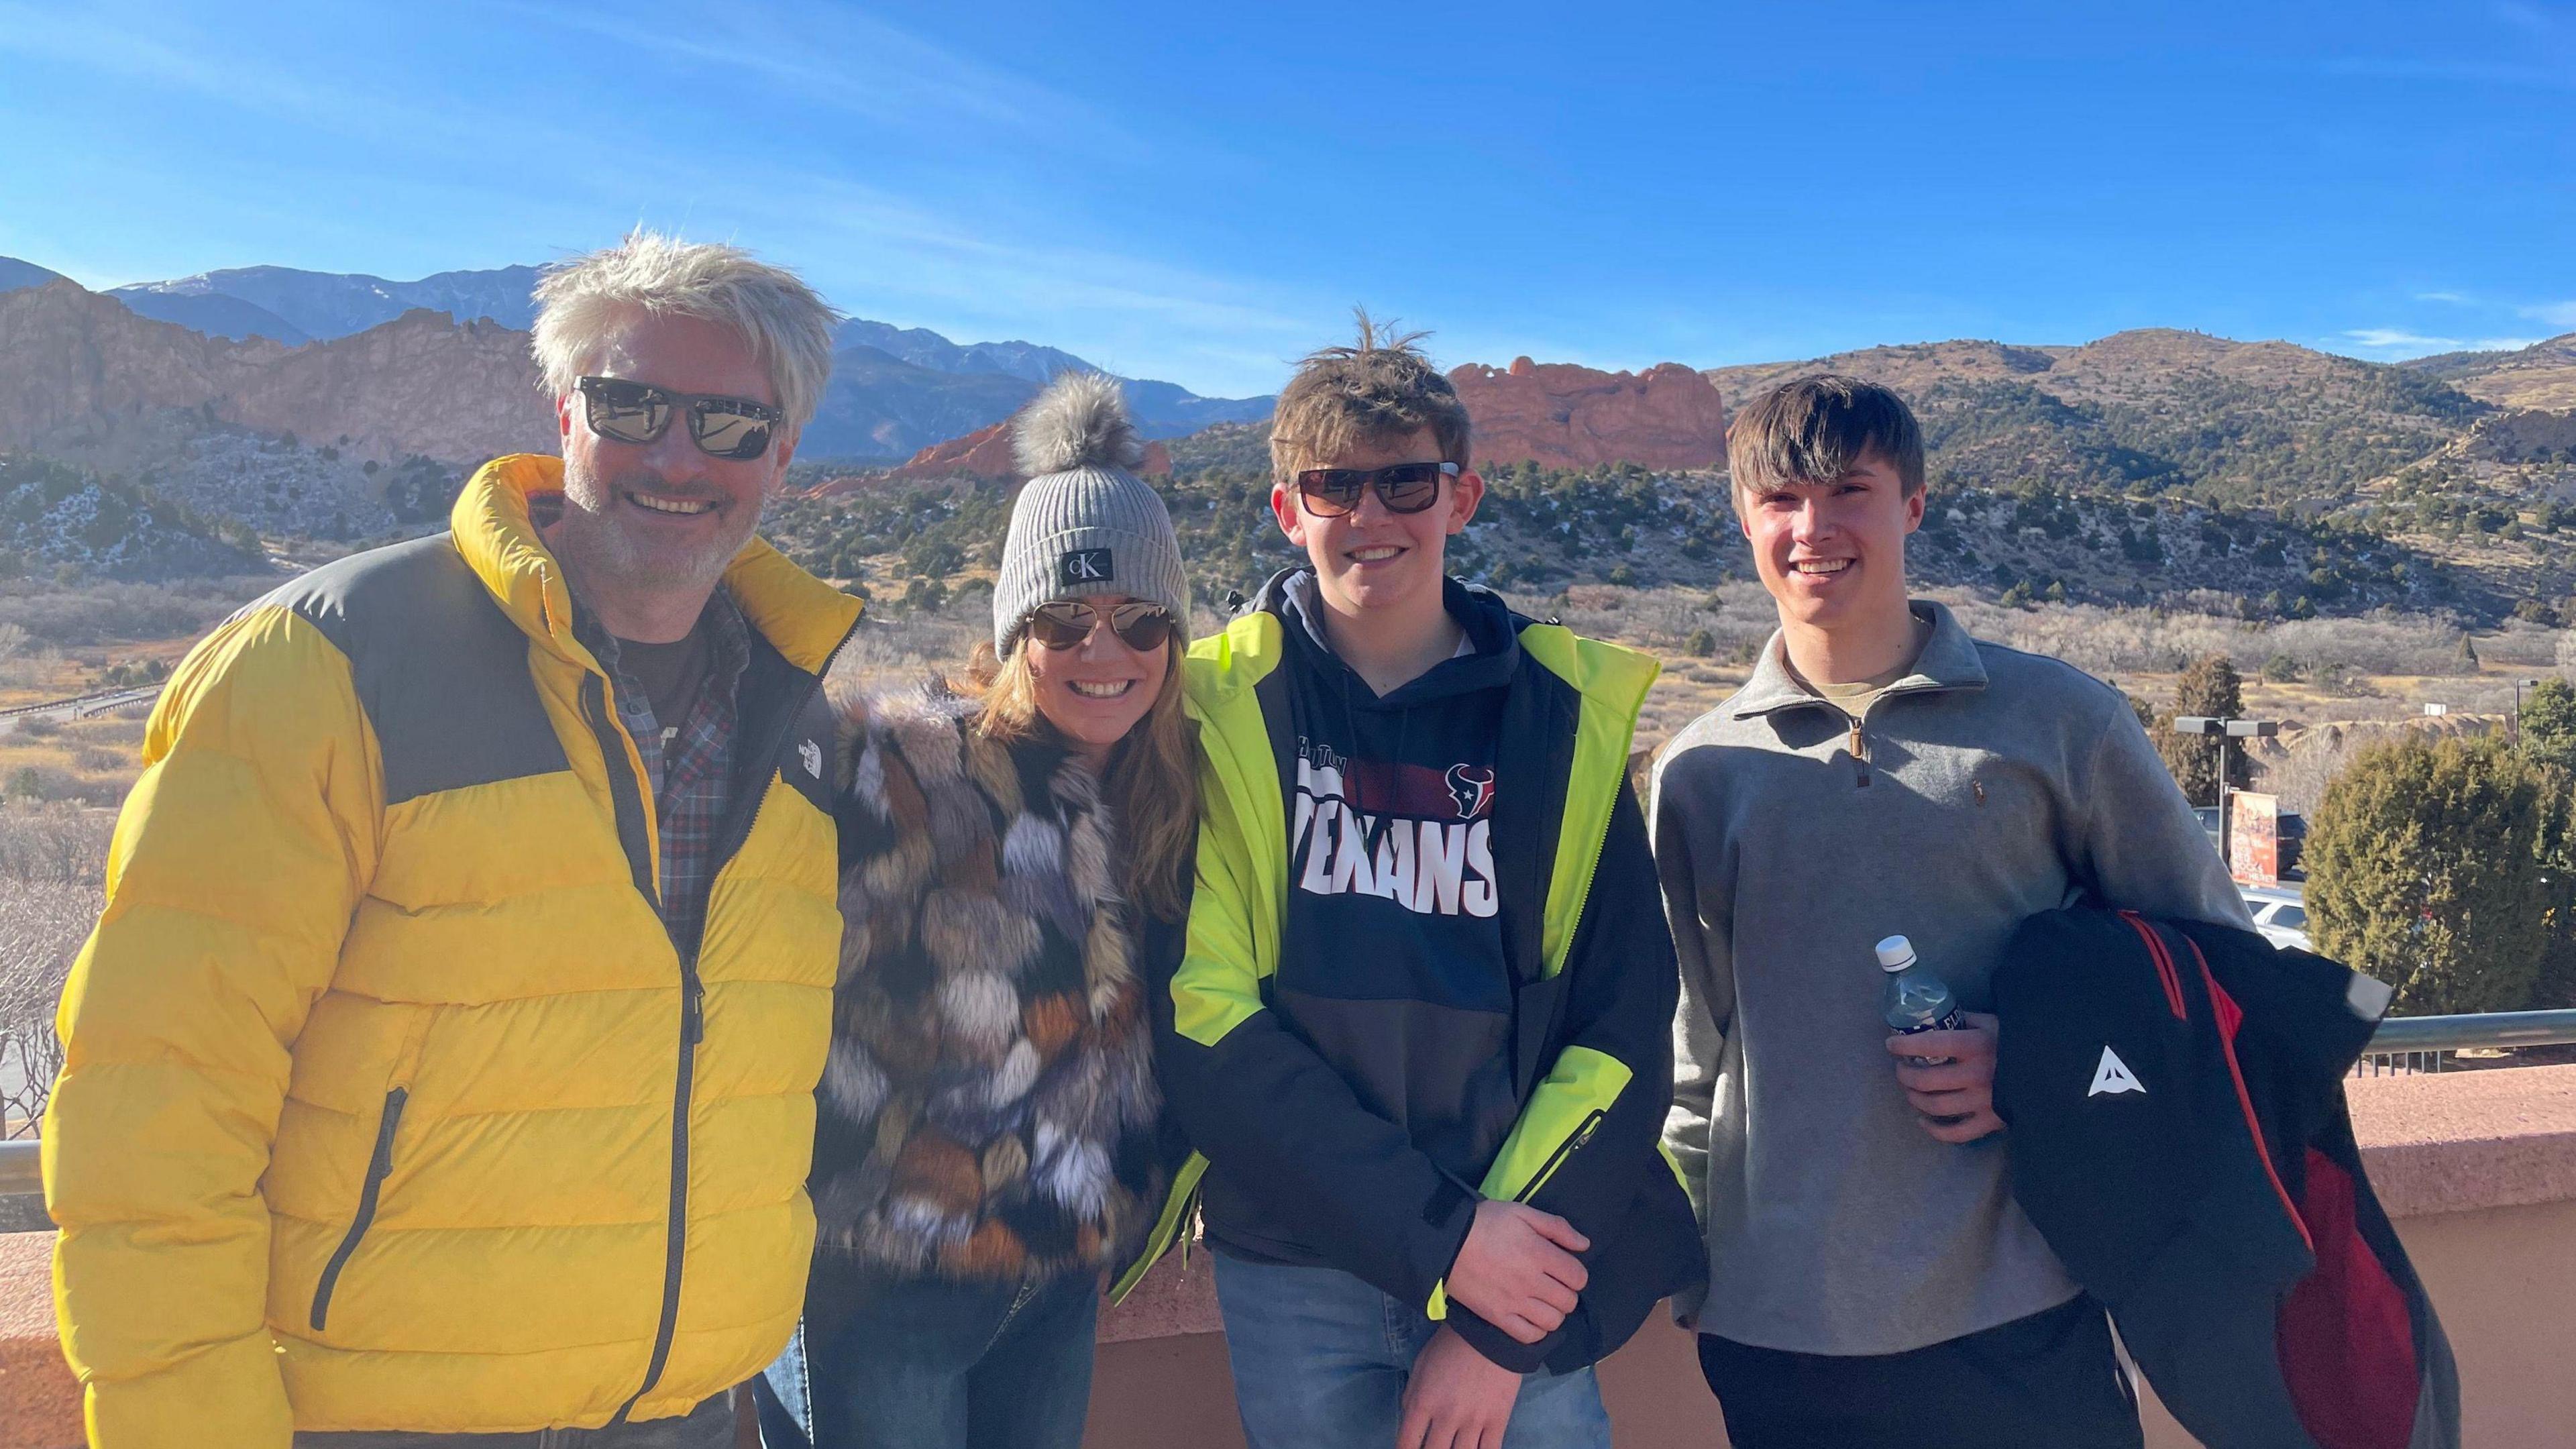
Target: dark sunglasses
1402	487
639	412
1064	623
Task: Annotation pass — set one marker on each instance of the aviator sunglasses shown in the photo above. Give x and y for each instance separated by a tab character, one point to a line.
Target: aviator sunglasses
1402	487
1064	623
639	412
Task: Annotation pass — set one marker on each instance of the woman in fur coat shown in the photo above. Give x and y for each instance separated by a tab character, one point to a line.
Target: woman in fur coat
987	1142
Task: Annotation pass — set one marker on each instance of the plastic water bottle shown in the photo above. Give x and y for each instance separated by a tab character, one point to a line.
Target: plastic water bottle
1915	999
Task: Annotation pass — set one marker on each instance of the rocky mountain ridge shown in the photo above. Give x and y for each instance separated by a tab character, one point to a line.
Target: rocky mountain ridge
905	388
2541	376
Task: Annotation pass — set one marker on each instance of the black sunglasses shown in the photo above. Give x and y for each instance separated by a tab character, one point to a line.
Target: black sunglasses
1402	487
639	412
1065	623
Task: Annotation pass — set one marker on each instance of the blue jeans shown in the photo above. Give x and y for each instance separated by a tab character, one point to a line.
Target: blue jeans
883	1362
1321	1359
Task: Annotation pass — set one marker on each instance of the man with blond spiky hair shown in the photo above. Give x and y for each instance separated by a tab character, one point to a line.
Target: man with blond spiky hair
442	1068
1421	1034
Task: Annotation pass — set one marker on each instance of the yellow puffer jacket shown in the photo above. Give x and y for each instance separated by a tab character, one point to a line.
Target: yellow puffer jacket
387	1100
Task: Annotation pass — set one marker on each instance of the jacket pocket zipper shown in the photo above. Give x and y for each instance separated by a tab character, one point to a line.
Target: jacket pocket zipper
1564	1150
379	1167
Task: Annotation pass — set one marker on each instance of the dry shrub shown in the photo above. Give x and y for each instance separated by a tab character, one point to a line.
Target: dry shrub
98	759
107	612
893	648
2521	643
2299	769
53	860
39	727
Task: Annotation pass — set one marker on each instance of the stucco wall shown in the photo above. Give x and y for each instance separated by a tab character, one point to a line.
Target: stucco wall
2479	1170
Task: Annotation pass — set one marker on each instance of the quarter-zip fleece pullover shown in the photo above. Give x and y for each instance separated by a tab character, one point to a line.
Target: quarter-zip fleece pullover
1984	787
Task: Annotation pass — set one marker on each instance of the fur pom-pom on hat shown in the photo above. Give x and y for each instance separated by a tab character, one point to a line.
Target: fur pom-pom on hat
1084	523
1080	421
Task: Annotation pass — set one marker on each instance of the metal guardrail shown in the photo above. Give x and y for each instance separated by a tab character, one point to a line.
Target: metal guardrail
2486	1029
21	1174
84	705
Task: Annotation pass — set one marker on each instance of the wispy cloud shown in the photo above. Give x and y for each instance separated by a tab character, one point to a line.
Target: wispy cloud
2556	314
834	57
2457	299
2395	338
2397	342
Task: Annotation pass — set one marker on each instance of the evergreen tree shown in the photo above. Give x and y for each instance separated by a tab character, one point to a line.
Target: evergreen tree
2554	985
2210	686
2426	870
2549	723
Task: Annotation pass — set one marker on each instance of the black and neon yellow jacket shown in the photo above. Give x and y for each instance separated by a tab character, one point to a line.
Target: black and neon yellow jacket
1265	1051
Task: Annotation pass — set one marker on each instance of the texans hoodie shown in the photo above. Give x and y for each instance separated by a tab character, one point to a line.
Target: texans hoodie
1427	964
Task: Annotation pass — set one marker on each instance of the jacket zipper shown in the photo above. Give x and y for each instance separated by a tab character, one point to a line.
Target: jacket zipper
1567	1148
1860	752
693	1024
380	1165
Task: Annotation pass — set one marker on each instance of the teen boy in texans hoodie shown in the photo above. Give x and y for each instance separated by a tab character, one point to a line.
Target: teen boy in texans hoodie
1421	1031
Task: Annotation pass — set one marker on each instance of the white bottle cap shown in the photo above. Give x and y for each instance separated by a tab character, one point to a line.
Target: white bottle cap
1895	954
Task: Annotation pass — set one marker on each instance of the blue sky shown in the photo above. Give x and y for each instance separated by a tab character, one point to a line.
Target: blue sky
1200	192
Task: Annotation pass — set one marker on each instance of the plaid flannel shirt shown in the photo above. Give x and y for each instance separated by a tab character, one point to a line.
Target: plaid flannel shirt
690	771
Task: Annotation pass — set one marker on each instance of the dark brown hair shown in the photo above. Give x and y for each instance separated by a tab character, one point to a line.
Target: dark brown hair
1344	398
1819	428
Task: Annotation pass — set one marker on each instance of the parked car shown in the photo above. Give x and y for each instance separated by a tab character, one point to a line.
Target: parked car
2281	914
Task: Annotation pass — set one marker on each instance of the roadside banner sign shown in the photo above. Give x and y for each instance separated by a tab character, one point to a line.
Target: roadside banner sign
2254	837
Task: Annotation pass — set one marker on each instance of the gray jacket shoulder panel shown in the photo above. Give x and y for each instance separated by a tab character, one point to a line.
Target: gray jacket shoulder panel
441	672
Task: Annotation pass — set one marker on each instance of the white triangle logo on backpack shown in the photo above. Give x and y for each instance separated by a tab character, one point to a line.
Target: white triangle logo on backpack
2113	1076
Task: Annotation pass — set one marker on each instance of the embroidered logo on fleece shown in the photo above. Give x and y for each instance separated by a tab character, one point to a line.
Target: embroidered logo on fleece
812	754
2113	1076
1084	566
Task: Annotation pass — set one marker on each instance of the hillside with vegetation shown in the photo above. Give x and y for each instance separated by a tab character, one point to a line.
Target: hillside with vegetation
2446	485
56	516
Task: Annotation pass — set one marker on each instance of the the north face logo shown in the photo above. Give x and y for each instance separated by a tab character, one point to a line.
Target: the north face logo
1085	566
812	754
2113	1076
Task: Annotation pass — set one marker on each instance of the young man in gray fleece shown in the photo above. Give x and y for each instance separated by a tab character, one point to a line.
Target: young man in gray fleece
1872	1281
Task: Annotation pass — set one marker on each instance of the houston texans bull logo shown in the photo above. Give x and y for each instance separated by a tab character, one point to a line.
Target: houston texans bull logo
1472	787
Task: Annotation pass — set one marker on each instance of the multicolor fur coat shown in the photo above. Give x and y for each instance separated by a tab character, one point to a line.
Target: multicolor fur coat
989	1109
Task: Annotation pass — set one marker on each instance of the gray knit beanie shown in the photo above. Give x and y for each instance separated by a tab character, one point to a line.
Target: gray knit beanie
1084	522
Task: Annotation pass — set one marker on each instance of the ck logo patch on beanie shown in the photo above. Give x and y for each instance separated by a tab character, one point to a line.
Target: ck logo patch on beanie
1084	566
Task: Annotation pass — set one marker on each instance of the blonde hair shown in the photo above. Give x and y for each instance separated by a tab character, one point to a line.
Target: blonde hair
1152	784
1346	398
580	303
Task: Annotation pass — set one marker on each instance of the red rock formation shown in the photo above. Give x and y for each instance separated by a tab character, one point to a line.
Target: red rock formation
78	365
1566	416
418	384
986	453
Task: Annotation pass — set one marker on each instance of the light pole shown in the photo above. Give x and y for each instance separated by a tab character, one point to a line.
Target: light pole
2227	732
2519	686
